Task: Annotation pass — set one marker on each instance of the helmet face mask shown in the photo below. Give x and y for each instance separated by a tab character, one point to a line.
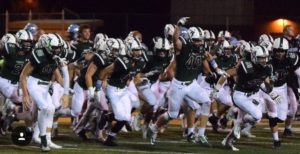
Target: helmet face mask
26	46
162	47
260	56
279	54
24	40
112	48
54	44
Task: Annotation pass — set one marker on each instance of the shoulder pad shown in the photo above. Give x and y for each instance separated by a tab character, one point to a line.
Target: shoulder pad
293	58
183	40
100	58
37	54
247	66
10	48
124	61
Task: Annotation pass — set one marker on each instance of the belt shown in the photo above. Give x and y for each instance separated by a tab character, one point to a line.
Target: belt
186	83
43	82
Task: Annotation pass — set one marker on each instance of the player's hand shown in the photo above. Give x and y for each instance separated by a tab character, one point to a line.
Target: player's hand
214	94
65	99
91	94
182	21
26	102
277	98
222	72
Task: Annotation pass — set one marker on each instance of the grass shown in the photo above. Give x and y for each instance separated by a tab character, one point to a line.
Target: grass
169	142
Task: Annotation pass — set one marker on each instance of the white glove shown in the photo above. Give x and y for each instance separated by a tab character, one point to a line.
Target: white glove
214	93
275	97
91	93
61	61
222	72
182	21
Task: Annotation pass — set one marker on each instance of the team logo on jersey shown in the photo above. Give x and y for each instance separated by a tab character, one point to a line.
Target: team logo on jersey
194	61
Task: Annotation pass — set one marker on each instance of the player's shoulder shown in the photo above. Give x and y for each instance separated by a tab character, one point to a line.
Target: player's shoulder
247	66
38	54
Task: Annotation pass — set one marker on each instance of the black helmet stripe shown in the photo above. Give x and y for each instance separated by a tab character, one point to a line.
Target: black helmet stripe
269	37
28	33
263	49
281	42
199	30
59	40
163	43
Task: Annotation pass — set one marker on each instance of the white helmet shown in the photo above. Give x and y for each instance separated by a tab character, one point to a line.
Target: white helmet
260	52
225	34
112	47
225	49
53	43
24	40
169	30
134	44
99	41
265	38
41	41
122	46
7	38
196	33
281	43
209	35
266	44
161	45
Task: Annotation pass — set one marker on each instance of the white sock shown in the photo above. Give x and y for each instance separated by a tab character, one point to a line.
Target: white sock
36	131
190	130
42	121
275	136
201	131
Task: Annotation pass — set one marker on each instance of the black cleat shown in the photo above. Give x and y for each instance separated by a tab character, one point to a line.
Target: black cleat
223	122
191	138
287	132
82	135
110	141
276	144
214	122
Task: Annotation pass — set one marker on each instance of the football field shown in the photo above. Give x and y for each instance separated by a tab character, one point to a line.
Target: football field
171	141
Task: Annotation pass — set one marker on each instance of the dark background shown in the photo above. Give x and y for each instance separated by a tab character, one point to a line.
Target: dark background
147	16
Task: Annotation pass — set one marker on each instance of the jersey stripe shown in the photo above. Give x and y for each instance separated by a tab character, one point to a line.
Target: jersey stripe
242	63
6	48
36	59
296	60
182	39
122	63
103	63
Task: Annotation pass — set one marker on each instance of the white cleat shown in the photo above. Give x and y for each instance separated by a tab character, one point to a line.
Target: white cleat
237	130
45	148
36	140
124	129
247	134
144	131
227	143
53	145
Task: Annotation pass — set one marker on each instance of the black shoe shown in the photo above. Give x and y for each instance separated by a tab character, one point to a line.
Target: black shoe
110	141
191	138
276	144
55	133
287	132
223	122
44	145
82	135
128	127
214	122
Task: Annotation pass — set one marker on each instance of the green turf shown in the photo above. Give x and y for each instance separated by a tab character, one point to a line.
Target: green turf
169	142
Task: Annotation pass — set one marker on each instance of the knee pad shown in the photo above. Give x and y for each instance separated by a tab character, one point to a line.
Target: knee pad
167	116
279	120
272	122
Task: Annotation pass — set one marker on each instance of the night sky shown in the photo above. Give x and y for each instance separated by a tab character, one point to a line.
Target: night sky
148	16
